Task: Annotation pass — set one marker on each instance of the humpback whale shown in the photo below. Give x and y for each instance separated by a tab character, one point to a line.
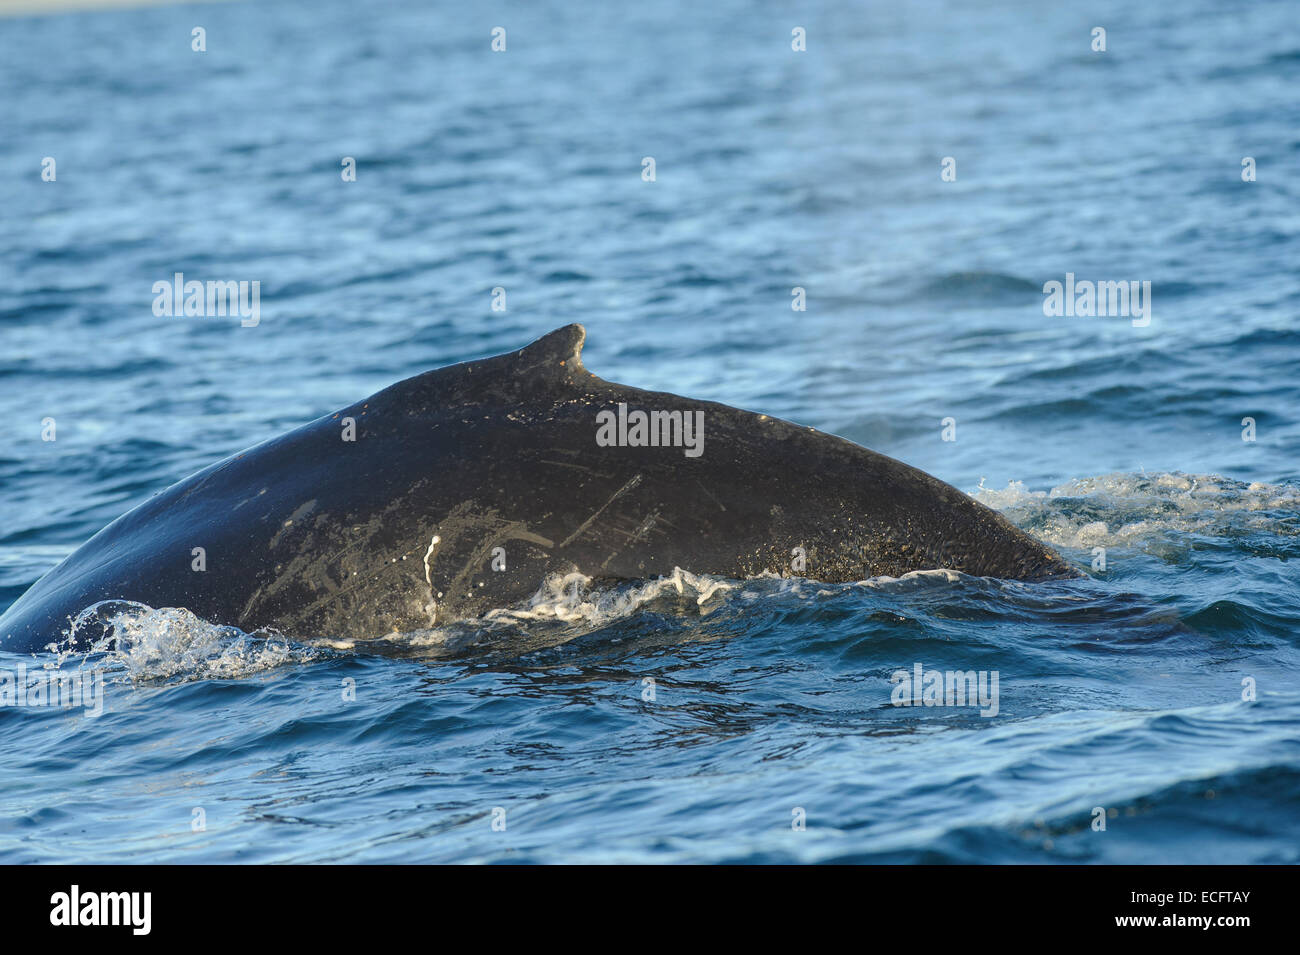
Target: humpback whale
462	489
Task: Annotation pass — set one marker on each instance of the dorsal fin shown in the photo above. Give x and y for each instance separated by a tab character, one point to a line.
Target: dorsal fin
561	348
554	358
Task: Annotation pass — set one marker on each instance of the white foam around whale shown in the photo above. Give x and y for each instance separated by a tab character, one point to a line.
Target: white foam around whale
1123	509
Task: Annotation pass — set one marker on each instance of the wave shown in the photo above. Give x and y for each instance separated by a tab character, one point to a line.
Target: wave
974	288
981	288
1240	805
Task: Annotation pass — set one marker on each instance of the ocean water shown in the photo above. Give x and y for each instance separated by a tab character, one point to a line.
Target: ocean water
688	719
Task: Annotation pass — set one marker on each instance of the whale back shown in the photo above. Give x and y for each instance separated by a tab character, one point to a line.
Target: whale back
459	490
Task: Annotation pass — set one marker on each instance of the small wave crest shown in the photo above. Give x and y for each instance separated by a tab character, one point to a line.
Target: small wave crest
980	288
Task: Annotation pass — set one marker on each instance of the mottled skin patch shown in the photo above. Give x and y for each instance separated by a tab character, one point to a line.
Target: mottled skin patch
317	536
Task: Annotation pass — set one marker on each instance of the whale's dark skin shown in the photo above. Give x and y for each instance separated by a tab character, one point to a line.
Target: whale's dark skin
317	536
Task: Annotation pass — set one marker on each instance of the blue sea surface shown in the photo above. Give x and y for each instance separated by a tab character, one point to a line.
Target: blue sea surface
690	719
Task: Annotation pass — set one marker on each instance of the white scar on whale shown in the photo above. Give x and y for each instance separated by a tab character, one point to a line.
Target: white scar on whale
432	606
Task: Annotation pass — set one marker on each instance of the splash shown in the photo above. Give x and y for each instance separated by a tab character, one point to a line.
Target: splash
142	644
1147	508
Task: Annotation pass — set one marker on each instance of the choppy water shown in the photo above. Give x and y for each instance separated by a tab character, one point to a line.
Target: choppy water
775	169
